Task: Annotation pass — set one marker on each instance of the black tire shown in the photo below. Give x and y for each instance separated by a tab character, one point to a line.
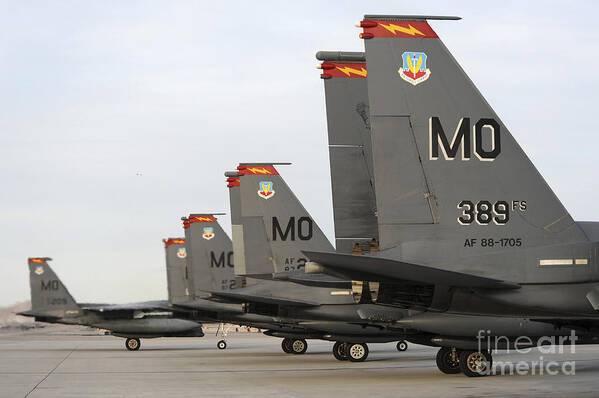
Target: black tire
476	363
132	344
339	351
401	346
356	352
221	345
299	346
448	360
286	346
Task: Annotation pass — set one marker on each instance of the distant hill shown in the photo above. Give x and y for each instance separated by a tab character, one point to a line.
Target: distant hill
8	317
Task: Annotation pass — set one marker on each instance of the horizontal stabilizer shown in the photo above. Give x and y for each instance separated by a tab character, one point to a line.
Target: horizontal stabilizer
211	306
142	306
385	270
318	280
241	297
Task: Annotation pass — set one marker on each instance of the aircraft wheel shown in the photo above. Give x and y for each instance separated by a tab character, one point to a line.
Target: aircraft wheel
132	344
299	346
221	344
356	352
286	345
402	346
339	351
448	360
475	363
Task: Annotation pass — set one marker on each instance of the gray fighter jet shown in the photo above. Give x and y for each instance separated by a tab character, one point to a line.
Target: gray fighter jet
467	226
51	302
210	277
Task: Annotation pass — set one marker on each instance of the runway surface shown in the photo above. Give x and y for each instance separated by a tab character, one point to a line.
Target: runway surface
42	364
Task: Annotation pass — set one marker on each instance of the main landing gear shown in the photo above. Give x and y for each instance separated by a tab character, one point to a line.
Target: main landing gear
353	352
294	346
132	344
401	346
339	351
222	344
450	360
356	352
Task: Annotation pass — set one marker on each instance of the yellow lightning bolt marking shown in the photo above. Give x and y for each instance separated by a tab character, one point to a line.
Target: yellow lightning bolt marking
348	71
410	30
258	171
203	218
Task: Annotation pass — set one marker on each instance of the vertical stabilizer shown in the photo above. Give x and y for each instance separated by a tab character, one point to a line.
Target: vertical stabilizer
209	255
276	227
48	294
350	152
176	270
446	168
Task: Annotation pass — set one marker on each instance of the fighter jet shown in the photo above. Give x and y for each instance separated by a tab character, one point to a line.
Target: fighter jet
467	225
51	302
270	228
210	277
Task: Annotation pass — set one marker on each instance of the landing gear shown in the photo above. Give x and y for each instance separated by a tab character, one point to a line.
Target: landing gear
475	363
356	352
448	360
286	345
339	351
299	346
402	346
132	344
224	331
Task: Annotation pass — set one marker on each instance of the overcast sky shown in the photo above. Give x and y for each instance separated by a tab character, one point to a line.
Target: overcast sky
93	93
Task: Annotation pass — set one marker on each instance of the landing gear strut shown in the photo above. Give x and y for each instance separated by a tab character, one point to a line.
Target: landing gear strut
132	344
402	346
339	351
475	363
448	360
222	344
356	352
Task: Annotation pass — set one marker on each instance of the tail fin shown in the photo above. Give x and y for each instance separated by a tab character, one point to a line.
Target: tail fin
176	270
350	150
209	255
446	167
49	297
273	226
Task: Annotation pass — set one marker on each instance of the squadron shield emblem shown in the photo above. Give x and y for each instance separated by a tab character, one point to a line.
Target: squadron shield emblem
265	189
414	69
181	253
39	270
208	233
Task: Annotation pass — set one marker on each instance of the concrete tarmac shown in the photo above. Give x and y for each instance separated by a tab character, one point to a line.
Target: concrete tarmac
38	364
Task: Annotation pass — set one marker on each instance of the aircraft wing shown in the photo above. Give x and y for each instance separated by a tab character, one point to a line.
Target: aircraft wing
241	297
142	306
379	269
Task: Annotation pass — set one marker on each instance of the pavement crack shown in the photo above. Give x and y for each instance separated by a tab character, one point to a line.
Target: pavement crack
51	371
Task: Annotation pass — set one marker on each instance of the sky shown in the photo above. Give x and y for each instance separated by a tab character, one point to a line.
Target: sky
118	118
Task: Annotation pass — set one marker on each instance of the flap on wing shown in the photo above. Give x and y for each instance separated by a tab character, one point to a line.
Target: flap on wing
379	269
240	297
